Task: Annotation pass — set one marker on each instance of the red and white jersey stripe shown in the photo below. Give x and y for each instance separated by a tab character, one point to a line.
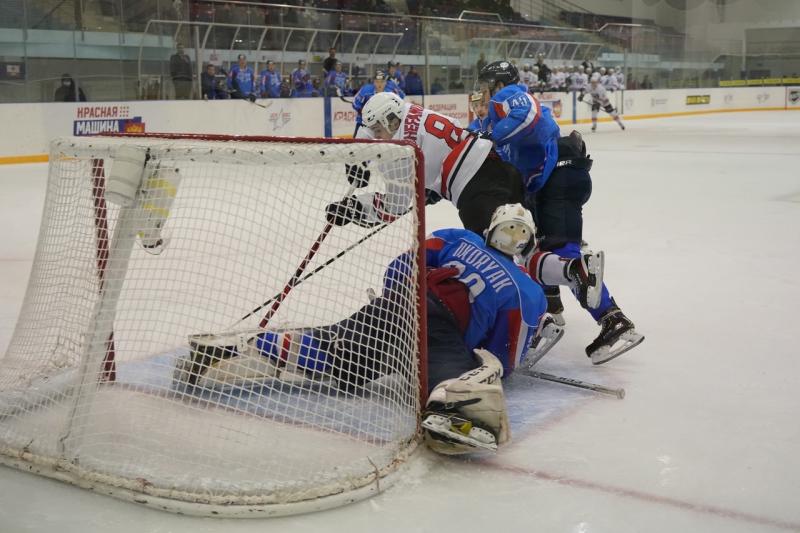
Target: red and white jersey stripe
452	155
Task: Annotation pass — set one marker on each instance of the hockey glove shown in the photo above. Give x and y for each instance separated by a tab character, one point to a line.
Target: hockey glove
580	97
357	175
431	197
344	212
252	98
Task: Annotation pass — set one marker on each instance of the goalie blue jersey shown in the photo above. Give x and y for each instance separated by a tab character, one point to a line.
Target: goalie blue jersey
505	304
525	133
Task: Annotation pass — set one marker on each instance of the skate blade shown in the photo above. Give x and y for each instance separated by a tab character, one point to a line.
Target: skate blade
439	429
626	342
534	355
596	266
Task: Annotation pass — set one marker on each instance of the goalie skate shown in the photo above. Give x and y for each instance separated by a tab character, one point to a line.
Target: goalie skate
549	334
452	428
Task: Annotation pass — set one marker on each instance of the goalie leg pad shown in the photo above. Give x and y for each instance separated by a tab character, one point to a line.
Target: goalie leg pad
473	404
234	359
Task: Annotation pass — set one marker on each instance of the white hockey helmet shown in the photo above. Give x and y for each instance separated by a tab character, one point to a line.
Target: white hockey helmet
511	230
595	78
383	108
602	70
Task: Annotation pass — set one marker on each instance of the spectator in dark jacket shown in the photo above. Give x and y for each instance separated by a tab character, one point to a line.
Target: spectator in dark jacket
180	69
414	82
213	88
66	92
330	62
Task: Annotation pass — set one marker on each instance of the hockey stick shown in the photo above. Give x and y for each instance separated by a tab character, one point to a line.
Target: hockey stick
619	393
305	277
303	264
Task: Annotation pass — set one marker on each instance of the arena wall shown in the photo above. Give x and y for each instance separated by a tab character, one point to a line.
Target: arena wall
29	127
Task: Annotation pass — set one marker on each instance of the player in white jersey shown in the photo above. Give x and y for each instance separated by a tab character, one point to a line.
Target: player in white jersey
528	77
600	99
610	81
558	79
460	166
580	80
620	77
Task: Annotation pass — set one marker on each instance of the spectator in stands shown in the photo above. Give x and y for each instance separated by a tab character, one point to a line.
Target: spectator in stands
67	91
336	82
305	87
414	82
646	83
480	64
398	76
286	89
241	81
298	75
270	82
437	87
544	70
209	85
330	62
180	69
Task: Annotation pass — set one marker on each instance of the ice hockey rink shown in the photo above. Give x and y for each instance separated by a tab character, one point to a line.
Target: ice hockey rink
700	220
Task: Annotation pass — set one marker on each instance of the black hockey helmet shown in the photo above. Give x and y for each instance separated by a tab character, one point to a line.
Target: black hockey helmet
502	71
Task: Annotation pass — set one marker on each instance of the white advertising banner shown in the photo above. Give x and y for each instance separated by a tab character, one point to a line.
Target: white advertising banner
31	126
792	97
36	124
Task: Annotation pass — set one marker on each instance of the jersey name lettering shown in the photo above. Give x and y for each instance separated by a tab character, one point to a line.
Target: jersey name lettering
413	116
483	262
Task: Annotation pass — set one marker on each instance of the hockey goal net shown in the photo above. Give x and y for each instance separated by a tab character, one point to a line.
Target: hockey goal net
220	236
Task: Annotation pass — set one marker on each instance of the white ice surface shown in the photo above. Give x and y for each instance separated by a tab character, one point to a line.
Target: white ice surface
700	221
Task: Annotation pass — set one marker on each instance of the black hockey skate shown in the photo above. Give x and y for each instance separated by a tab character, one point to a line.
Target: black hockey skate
617	336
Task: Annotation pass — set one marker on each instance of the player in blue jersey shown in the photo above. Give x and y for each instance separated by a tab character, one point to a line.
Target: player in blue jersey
481	121
241	82
379	84
483	312
555	170
336	81
270	81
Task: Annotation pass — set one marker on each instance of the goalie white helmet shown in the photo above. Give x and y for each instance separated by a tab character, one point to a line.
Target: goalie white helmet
511	230
383	109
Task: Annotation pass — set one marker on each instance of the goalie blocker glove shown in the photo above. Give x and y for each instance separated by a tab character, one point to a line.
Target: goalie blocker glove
346	211
358	174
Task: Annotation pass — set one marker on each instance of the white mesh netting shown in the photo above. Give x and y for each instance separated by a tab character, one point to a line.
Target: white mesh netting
88	387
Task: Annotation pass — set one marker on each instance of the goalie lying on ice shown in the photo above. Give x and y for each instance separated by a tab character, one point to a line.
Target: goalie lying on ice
483	312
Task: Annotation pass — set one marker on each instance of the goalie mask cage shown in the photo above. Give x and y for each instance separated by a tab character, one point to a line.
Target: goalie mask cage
216	228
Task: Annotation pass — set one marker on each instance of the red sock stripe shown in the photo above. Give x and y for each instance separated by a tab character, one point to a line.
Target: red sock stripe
535	266
287	341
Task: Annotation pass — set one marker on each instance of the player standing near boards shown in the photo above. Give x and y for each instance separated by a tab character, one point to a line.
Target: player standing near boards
600	99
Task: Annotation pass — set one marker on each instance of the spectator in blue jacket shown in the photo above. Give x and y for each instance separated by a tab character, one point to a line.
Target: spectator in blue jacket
298	74
336	82
241	81
414	82
270	82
